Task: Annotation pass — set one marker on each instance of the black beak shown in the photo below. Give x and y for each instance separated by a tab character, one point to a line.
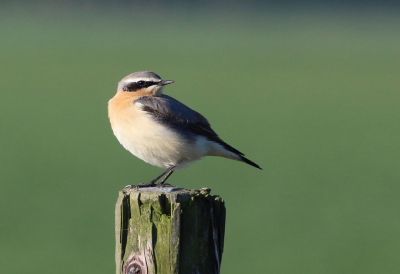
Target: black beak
166	82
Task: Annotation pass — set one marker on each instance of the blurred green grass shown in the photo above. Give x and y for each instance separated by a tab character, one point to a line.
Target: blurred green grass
312	98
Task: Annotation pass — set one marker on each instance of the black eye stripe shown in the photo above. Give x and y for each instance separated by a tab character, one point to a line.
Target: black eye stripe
138	85
148	84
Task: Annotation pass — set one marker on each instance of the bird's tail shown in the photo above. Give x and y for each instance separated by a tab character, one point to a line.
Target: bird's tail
247	161
220	148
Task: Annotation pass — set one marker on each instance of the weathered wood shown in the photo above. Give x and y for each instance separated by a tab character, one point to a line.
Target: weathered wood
169	231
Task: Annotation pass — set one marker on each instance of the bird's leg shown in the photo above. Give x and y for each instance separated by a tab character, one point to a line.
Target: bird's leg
161	183
153	182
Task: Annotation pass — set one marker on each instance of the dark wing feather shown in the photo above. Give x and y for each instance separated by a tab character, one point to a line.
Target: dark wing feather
169	111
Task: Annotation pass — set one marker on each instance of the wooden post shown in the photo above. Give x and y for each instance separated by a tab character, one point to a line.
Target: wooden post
169	231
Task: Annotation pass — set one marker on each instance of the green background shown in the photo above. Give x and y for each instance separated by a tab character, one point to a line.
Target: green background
312	96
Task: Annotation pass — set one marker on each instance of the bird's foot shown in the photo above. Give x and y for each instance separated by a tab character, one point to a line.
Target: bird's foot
165	185
151	184
145	185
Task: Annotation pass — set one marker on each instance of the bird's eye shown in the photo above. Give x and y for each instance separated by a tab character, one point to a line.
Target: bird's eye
141	83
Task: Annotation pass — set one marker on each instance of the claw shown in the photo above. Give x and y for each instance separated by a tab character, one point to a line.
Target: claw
151	184
166	185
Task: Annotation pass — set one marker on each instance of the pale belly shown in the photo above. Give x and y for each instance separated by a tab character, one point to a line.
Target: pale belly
155	144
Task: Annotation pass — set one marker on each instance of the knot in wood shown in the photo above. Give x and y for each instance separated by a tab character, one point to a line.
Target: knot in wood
134	266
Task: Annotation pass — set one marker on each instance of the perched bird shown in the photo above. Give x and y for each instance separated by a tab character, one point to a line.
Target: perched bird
161	130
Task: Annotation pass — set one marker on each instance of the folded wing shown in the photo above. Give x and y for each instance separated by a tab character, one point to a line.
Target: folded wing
171	112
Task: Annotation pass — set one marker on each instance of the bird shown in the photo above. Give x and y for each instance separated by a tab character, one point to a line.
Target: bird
160	130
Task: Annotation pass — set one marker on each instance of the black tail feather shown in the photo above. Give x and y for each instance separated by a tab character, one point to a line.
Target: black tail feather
247	161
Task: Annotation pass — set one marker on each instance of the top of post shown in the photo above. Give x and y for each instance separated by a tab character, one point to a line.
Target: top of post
166	189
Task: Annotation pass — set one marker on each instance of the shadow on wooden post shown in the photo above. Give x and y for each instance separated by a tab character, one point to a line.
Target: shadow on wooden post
169	231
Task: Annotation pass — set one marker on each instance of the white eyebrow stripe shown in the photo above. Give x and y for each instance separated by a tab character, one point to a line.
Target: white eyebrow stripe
135	80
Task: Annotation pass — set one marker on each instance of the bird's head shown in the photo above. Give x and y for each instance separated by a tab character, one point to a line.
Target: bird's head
143	83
